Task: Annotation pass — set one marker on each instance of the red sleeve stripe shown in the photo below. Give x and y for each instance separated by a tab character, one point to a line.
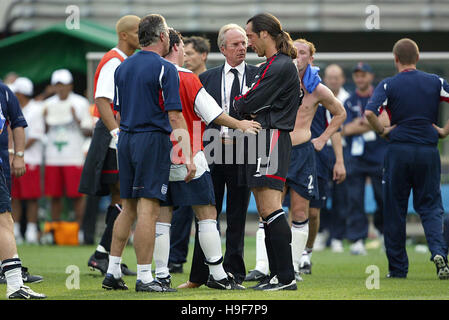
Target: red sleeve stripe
161	100
258	81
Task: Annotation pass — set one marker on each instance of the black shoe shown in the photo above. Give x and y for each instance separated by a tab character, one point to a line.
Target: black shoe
28	278
153	286
175	267
442	268
227	283
397	276
126	271
98	263
166	283
102	264
306	268
25	293
254	275
110	283
275	285
262	283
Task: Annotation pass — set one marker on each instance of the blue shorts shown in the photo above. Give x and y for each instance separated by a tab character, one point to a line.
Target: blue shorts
5	197
144	164
199	191
323	192
301	176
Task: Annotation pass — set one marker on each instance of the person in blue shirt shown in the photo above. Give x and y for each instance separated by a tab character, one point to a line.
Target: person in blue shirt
11	114
412	161
366	160
149	107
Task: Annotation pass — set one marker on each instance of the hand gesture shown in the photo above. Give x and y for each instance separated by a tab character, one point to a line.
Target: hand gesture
250	126
441	132
318	144
191	171
339	172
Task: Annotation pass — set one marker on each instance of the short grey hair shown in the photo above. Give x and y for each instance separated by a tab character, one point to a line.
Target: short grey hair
221	40
150	28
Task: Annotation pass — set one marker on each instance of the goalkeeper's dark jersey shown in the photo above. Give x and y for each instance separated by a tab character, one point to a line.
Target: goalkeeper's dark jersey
274	96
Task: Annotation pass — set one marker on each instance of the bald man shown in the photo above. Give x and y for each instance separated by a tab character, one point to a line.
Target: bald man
333	221
100	172
334	78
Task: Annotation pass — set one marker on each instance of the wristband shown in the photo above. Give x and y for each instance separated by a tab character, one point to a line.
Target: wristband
114	132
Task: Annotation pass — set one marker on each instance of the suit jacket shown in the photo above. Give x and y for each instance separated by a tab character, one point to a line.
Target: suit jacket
212	81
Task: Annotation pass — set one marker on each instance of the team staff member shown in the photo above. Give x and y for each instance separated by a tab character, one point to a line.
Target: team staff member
273	101
10	262
412	161
223	83
197	50
367	151
333	220
199	109
149	106
100	172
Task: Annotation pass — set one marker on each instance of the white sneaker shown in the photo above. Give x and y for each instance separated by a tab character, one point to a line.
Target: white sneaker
305	264
320	241
358	248
24	292
80	237
337	246
298	276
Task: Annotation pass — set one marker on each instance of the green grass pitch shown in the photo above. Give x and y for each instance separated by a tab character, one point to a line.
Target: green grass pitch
334	277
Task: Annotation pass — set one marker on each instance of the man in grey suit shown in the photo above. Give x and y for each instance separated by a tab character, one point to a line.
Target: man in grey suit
224	83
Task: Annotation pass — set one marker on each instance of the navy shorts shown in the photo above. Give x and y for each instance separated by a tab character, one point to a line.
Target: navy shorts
199	191
144	164
268	165
302	177
323	192
5	197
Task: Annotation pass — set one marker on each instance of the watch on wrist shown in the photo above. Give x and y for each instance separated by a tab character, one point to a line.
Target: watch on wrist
11	151
19	154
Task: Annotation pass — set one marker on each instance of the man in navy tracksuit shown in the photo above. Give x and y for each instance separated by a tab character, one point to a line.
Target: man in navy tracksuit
366	159
412	161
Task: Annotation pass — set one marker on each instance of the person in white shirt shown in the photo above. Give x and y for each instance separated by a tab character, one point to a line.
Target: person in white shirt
100	176
28	186
67	124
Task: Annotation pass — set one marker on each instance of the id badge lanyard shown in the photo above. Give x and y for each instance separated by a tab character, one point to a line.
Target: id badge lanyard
227	106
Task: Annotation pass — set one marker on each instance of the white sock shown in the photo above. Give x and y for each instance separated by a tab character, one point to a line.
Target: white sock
261	251
162	249
300	233
14	279
211	245
12	269
144	273
114	267
32	226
